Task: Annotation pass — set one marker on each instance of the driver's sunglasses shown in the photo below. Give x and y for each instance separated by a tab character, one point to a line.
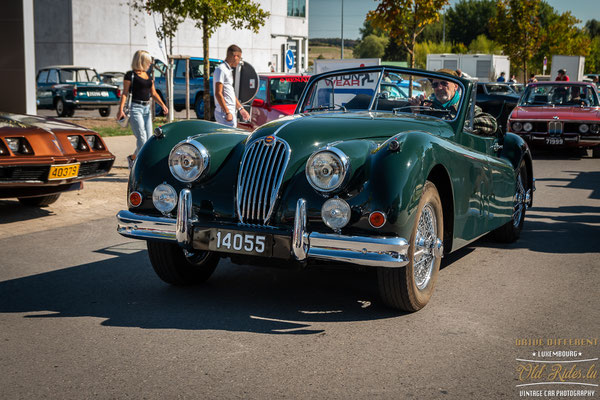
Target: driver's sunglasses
441	83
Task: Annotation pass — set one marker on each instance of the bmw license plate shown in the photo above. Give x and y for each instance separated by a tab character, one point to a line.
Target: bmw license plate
230	241
64	171
554	140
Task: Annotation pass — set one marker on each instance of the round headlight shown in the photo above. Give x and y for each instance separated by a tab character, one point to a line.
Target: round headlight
584	128
335	213
164	198
595	128
188	160
327	169
527	126
517	126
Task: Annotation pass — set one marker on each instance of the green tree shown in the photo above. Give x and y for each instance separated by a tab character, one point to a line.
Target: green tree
209	15
372	46
405	20
424	48
468	19
483	45
592	62
516	27
593	28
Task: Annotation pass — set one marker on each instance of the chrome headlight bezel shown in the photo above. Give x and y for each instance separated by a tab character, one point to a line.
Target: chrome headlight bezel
200	158
339	157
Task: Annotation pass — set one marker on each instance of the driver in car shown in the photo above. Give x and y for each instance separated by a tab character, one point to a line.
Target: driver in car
446	97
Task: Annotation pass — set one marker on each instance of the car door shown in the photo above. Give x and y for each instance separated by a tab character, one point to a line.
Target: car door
44	97
475	215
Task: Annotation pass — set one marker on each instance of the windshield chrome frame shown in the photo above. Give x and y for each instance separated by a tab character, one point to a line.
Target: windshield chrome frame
381	69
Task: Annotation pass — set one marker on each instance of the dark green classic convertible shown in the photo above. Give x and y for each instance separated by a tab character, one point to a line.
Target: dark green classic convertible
354	176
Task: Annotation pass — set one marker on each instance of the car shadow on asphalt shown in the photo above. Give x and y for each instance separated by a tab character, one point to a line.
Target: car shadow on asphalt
13	211
583	180
560	230
125	292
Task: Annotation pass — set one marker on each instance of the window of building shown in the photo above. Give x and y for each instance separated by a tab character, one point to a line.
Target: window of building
296	8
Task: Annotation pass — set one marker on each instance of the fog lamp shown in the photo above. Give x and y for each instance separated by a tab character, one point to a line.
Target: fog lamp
335	213
164	198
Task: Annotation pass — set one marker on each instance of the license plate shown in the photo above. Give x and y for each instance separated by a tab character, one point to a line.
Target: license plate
241	242
98	94
63	171
554	140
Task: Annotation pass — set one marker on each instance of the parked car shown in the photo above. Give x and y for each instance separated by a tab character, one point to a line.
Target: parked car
497	99
277	97
351	178
113	78
42	157
559	114
66	88
196	73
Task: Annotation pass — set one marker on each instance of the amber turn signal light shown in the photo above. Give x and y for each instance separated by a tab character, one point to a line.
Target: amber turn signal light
377	219
135	199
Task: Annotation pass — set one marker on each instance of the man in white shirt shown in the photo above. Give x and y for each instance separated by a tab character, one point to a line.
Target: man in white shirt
226	104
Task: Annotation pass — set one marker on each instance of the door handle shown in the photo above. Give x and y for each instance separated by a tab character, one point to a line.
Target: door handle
496	147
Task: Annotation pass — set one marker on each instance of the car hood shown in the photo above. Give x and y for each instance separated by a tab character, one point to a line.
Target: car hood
564	113
286	109
46	124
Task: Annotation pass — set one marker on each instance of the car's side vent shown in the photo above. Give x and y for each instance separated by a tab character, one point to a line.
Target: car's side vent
261	172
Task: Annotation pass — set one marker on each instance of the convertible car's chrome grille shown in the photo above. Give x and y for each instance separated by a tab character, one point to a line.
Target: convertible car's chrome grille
259	178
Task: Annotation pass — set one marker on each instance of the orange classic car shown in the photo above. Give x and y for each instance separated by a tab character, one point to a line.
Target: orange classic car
42	157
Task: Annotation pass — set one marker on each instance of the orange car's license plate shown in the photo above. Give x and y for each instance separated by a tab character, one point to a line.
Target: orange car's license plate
63	171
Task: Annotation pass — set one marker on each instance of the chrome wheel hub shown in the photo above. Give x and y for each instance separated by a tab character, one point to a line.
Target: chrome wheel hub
428	247
522	199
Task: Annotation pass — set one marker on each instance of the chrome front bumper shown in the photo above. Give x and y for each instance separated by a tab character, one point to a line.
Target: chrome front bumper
389	252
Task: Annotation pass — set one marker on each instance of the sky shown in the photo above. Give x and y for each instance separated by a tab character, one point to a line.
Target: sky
324	19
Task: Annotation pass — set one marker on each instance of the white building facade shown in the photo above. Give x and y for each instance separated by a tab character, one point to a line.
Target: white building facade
105	35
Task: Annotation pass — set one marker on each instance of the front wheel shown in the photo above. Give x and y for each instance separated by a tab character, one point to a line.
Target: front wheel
511	231
199	106
178	267
411	287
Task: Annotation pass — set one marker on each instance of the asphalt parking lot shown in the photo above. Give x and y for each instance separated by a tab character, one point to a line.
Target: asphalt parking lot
84	316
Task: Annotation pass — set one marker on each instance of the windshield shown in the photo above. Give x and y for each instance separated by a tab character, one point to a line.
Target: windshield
559	95
499	89
398	92
78	75
286	89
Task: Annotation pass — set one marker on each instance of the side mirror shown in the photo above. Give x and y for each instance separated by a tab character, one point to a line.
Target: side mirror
258	103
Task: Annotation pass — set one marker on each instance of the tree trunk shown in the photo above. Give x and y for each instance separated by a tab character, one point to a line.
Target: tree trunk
207	100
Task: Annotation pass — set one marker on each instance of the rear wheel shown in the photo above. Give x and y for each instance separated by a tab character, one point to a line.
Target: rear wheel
104	112
511	231
411	287
39	201
62	110
178	267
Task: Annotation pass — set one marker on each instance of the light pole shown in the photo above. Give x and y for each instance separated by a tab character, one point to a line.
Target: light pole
342	29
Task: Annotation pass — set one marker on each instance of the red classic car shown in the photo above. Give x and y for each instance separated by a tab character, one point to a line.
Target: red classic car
558	114
277	97
42	157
